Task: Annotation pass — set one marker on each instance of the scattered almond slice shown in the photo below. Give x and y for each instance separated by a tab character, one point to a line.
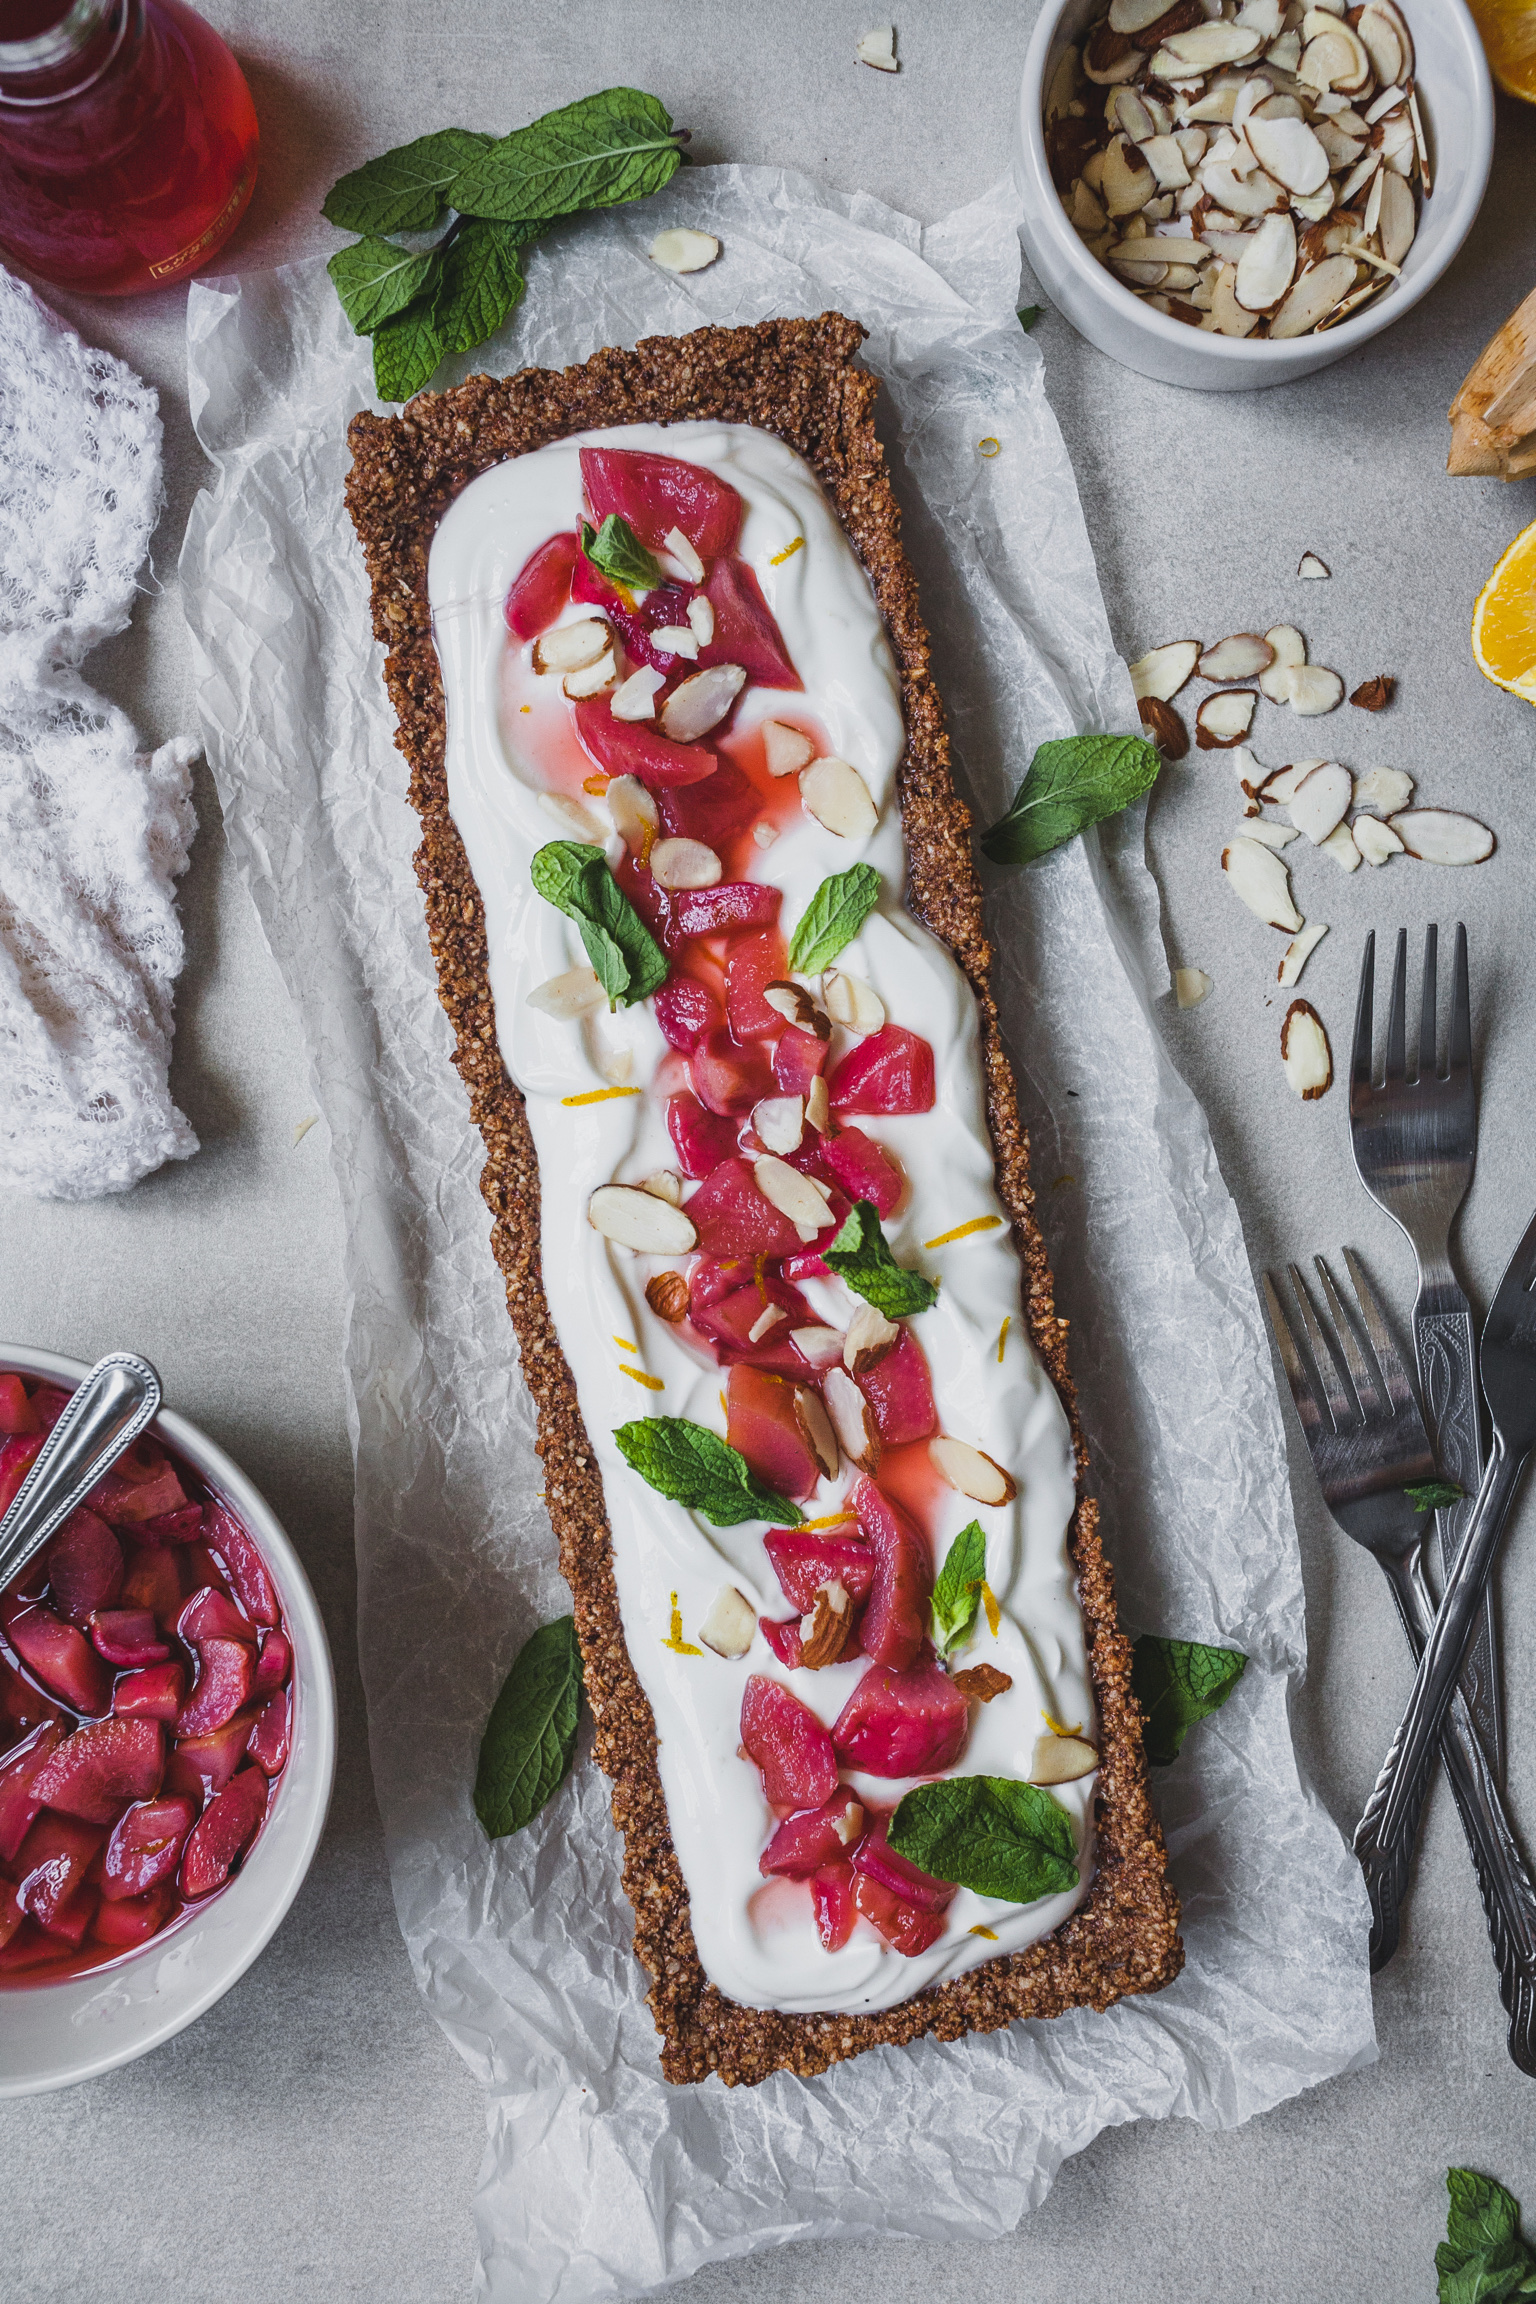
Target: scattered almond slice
1442	836
779	1122
1250	775
666	1184
592	679
1191	986
683	250
1062	1760
1260	879
1376	841
576	822
870	1337
1305	1053
1385	789
824	1633
667	1295
568	647
1313	690
731	1625
634	813
1298	952
1264	272
1225	718
1340	845
636	1219
801	1198
971	1471
684	864
852	1420
877	48
816	1429
787	750
681	547
837	796
822	1347
1374	695
1162	672
701	619
1281	786
1272	835
1164	726
1288	150
1289	650
635	698
1310	569
796	1006
851	1002
818	1106
1237	658
701	702
570	995
677	640
1321	801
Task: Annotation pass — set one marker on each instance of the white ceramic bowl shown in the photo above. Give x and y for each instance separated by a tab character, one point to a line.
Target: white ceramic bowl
52	2034
1456	99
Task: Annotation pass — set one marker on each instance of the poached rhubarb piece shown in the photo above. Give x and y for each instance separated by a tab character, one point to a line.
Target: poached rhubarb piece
896	1617
909	1723
542	589
656	494
816	1836
891	1072
789	1744
145	1709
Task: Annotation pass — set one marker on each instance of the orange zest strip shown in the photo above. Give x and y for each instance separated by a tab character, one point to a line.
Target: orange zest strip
675	1641
625	1345
964	1231
989	1933
599	1095
639	1376
832	1520
597	784
989	446
1002	1335
724	1406
777	559
1057	1729
525	707
994	1613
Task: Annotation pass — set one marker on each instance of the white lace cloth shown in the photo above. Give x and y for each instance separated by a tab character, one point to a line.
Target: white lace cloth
93	832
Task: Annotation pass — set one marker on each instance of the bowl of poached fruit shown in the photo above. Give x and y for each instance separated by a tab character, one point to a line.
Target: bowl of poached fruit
167	1743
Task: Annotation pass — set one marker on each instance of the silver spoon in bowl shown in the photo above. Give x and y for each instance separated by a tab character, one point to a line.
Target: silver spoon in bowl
105	1415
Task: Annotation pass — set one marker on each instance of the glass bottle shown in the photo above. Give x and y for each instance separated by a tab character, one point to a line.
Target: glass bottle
127	142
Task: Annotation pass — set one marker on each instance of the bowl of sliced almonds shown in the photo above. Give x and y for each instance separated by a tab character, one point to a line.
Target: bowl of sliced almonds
1228	194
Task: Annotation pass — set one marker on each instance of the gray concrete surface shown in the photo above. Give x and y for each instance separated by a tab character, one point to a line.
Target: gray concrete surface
313	2136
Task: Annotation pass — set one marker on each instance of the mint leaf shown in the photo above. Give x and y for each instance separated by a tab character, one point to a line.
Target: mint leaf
601	150
1028	315
403	190
1481	2215
861	1255
989	1833
1178	1682
375	280
531	1733
1433	1495
957	1593
694	1466
1072	782
1483	2258
406	351
833	918
480	282
616	552
574	877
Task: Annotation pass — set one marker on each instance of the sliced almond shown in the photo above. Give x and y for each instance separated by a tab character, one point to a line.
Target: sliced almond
1244	653
837	796
1239	196
637	1219
1126	113
1298	952
701	702
870	1337
1272	835
1398	221
683	250
824	1632
684	864
1289	650
576	822
615	1065
1289	151
1313	297
1135	15
1164	726
684	551
1321	800
1340	845
1264	273
1305	1053
816	1429
1376	841
1064	83
1191	986
796	1006
1374	695
593	678
1312	690
666	1184
1205	49
1394	17
667	1295
851	1002
1281	786
877	49
1128	183
779	1122
1224	718
676	640
1385	789
1163	671
1262	16
1261	880
765	834
852	1420
981	1682
818	1106
1442	836
787	750
731	1625
1378	37
567	647
634	813
822	1347
1085	210
801	1198
701	619
1367	167
1387	101
971	1471
1285	52
1334	59
635	698
570	995
1062	1760
1163	156
1227	315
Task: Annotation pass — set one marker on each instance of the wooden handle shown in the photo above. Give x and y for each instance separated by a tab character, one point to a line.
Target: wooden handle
1493	416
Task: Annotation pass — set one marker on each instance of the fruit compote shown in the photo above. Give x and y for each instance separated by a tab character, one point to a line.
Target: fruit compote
145	1706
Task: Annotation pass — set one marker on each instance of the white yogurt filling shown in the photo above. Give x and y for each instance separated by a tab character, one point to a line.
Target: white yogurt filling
756	1938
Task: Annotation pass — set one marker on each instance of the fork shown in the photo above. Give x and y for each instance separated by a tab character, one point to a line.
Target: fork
1384	1840
1414	1142
1368	1443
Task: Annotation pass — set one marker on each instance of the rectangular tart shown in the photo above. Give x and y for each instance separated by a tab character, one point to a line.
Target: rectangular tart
799	382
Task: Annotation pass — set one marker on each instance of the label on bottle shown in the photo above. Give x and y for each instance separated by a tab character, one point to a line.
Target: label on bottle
169	266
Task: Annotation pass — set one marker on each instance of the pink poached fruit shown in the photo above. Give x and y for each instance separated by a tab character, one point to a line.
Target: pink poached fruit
145	1705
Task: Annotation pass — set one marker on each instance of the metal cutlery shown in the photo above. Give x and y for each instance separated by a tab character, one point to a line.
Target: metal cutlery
1414	1144
1368	1444
105	1415
1386	1833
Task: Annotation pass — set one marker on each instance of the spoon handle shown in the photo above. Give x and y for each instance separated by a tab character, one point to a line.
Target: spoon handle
103	1419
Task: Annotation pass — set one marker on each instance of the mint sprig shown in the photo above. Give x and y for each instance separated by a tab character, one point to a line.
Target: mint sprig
957	1589
833	918
574	877
694	1466
1484	2257
616	552
1178	1682
1073	782
404	190
1433	1495
375	280
861	1255
479	281
531	1734
990	1833
595	153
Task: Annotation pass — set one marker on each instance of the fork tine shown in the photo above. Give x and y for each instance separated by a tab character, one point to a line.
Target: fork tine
1342	1407
1374	1322
1364	1018
1459	1059
1397	1018
1361	1372
1428	1006
1303	1391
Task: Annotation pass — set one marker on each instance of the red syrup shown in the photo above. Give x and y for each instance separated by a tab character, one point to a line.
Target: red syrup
128	142
145	1707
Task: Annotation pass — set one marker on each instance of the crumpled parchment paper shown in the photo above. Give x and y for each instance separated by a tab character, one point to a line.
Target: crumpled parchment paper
599	2180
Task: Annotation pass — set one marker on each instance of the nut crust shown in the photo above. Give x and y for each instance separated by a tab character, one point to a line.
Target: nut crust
796	378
